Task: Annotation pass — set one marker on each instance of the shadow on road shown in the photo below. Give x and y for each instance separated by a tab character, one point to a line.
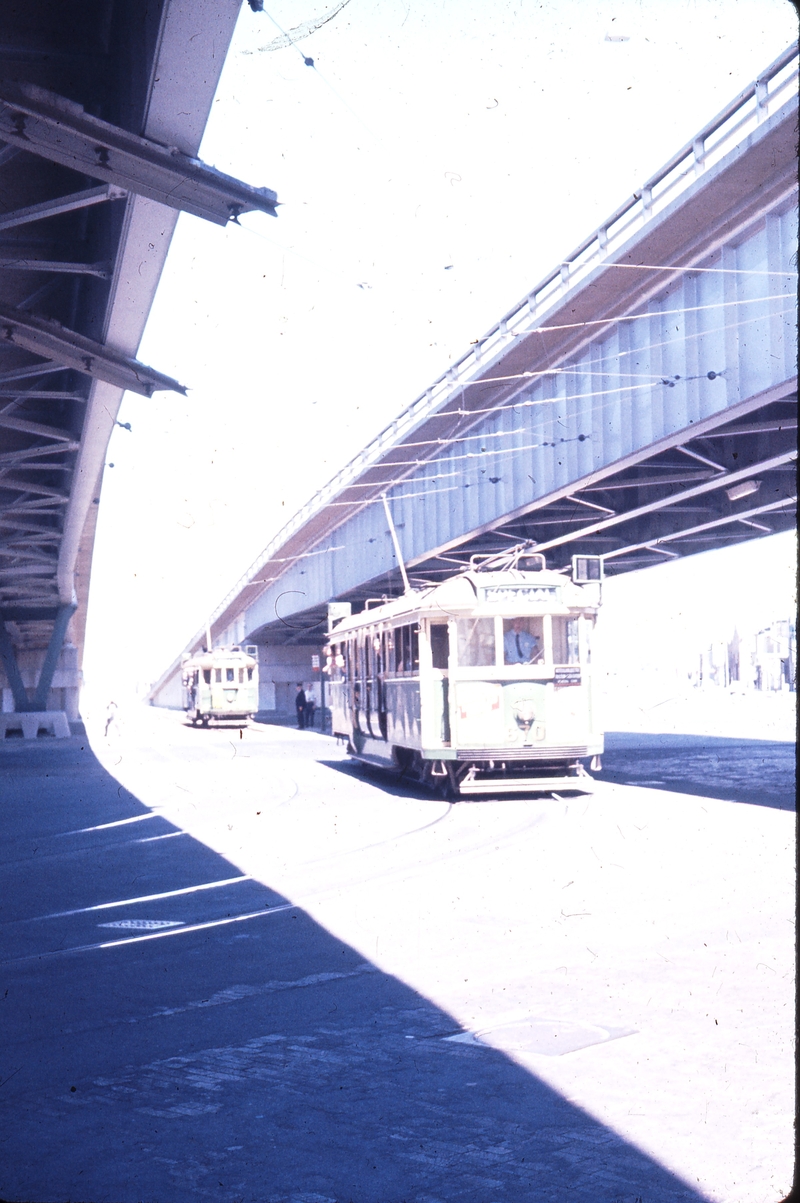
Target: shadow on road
234	1058
755	771
388	781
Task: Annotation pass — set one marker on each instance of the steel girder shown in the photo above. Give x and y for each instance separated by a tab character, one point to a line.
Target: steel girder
39	121
72	350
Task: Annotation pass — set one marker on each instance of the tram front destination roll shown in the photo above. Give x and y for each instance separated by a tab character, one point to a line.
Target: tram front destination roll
479	685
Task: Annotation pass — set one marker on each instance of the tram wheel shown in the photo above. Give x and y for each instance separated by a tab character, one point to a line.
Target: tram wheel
449	785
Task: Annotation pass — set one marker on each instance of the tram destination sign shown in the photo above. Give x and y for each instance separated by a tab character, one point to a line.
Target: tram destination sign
511	594
567	674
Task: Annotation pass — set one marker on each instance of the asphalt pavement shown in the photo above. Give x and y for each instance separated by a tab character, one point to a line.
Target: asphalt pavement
234	966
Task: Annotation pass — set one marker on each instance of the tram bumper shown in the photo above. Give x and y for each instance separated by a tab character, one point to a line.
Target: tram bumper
491	786
525	779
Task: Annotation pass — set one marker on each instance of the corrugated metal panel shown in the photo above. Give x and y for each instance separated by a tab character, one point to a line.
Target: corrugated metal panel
607	402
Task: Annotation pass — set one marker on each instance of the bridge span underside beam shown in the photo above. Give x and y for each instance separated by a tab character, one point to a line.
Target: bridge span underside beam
724	484
640	406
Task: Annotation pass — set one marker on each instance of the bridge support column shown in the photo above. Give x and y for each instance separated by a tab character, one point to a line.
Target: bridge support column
23	704
60	625
9	658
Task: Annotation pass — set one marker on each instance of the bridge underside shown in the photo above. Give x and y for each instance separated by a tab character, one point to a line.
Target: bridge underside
722	484
102	109
640	403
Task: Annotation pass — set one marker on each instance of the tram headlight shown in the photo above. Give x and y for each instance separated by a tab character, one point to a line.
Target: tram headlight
524	714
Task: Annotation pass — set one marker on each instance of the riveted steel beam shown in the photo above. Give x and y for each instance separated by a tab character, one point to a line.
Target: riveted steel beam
26	427
40	395
20	570
72	350
30	369
721	479
31	486
102	270
13	612
55	128
679	536
22	457
61	204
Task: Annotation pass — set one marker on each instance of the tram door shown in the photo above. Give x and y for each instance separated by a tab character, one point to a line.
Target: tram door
440	662
360	701
371	685
376	690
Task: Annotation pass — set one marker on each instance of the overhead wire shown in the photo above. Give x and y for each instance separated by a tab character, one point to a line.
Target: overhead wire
309	62
504	453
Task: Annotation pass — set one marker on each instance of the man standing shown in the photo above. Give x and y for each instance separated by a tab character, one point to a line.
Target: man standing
519	646
300	706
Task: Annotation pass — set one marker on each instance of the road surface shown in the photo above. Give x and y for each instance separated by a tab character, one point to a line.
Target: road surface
236	967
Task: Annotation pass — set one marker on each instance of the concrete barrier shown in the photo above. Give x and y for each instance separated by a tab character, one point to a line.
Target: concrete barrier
32	722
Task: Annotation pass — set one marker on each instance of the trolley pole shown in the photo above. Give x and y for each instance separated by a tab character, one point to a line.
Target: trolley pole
396	542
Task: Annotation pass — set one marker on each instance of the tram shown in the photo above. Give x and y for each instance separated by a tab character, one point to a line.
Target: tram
221	684
480	685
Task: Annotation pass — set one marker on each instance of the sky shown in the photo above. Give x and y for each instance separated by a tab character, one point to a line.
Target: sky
439	158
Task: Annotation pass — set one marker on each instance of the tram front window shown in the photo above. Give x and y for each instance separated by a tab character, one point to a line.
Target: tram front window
476	642
523	641
565	641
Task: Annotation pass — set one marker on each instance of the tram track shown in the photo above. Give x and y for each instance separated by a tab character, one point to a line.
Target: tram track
409	868
301	885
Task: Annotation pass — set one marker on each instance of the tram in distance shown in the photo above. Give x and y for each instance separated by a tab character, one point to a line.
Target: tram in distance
221	684
478	686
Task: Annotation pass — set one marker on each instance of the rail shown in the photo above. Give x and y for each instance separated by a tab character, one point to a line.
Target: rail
732	125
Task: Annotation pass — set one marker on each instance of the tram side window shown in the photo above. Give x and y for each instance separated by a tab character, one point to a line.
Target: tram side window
207	675
475	642
523	641
388	651
439	645
241	676
406	649
249	674
400	652
565	641
338	661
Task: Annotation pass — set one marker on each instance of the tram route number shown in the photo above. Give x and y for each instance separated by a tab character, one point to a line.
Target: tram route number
567	674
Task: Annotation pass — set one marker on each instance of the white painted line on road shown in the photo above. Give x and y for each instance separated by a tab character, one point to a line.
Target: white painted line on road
105	906
151	839
158	935
143	924
105	826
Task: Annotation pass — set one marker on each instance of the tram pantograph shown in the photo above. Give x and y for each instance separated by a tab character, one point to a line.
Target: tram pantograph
480	685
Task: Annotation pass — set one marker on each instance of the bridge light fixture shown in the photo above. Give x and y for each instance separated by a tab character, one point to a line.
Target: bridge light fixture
743	490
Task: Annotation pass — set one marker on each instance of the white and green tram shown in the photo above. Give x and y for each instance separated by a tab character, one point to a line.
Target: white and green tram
221	684
482	684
